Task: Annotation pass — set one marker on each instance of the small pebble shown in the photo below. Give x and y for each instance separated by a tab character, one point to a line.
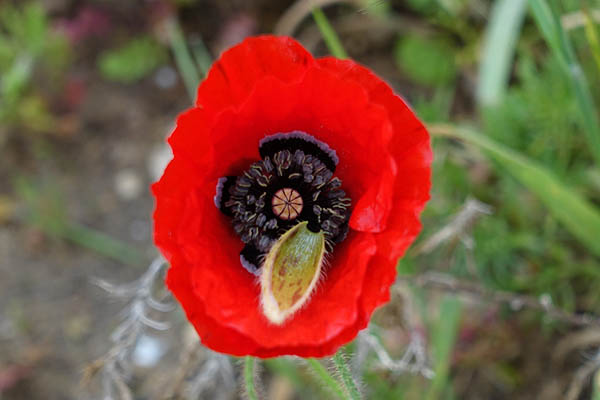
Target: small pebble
165	77
148	351
158	160
128	184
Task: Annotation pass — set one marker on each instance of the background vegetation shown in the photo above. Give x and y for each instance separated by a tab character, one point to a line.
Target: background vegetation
498	299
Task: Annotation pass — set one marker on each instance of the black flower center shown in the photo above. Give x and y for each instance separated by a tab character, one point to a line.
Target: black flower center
292	183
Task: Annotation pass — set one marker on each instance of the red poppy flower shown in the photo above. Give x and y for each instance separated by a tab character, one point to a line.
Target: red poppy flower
273	126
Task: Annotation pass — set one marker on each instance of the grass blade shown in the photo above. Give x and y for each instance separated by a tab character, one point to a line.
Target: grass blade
183	59
201	54
596	386
45	210
557	39
444	334
577	215
500	40
591	34
329	35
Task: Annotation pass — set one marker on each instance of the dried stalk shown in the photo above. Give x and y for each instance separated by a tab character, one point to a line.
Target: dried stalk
516	301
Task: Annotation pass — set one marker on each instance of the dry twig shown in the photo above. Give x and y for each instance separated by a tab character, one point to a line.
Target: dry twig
582	375
115	365
577	19
472	210
516	301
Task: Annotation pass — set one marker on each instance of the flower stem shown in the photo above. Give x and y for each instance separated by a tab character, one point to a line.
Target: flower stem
347	378
329	382
249	378
331	38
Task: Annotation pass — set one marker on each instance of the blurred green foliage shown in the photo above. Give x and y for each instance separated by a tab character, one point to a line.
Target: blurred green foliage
29	49
47	212
428	61
132	61
533	160
531	244
521	247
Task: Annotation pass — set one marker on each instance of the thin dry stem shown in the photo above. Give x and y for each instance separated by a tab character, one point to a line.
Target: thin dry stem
464	220
115	365
576	19
582	376
516	301
189	357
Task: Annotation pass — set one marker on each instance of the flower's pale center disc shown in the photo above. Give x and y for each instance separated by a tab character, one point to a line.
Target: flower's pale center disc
287	204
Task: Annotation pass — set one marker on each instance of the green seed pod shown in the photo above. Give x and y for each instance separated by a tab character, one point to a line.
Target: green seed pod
290	272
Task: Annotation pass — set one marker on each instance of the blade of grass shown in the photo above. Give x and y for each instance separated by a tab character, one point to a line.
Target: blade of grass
201	54
45	211
349	383
444	336
326	379
596	386
591	34
101	243
576	214
249	378
499	43
329	35
549	23
185	63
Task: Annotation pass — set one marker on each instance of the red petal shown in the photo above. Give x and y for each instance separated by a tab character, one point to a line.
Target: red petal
234	75
268	85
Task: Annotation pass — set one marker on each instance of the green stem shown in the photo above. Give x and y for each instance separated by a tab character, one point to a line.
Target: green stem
331	38
347	378
329	382
249	378
185	63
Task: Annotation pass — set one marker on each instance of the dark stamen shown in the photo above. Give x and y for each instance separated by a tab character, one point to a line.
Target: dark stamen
294	182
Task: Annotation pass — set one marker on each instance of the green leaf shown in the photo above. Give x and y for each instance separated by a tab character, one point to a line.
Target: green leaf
15	79
576	214
422	5
500	39
428	61
133	61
